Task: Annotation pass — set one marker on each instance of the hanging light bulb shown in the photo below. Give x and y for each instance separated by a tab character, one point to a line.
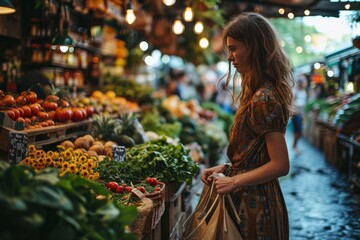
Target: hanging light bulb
188	14
307	38
199	27
6	7
178	27
281	11
307	12
291	15
299	49
144	46
169	2
204	42
347	6
130	15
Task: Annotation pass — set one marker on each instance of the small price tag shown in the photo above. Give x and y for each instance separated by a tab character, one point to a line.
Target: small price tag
17	147
119	153
138	193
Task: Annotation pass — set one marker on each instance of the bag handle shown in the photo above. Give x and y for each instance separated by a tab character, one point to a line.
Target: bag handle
203	217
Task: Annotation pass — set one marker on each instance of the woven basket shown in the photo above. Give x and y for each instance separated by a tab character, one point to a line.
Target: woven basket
154	216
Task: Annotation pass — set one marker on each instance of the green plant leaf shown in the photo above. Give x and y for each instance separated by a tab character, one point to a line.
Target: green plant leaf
51	197
107	212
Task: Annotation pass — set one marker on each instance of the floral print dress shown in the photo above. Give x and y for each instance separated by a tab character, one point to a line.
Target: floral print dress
261	208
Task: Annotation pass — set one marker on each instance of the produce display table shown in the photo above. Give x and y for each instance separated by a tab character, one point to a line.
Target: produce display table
15	143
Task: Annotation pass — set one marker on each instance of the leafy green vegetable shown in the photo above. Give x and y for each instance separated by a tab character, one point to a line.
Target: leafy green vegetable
45	206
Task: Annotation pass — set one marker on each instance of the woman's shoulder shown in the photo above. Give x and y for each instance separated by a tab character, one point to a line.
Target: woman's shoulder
265	93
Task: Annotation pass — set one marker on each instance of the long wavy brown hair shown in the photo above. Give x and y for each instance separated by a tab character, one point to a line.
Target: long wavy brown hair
266	59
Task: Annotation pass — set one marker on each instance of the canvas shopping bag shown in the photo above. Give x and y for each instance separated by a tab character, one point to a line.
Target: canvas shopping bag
211	219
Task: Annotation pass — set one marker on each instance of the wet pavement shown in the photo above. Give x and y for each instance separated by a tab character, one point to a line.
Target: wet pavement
320	203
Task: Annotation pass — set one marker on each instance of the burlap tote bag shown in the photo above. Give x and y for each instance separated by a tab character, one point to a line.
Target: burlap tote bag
211	220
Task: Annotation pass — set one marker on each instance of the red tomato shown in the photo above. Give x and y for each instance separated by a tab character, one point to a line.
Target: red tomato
90	110
11	114
152	181
27	120
50	122
157	189
35	108
120	189
49	106
52	98
30	96
77	115
112	185
63	114
9	100
141	189
43	124
20	119
17	113
43	115
128	189
51	114
20	100
21	111
64	103
27	111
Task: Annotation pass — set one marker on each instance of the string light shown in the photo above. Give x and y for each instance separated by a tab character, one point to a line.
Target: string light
130	15
178	27
307	38
188	14
204	42
144	46
281	11
199	27
169	2
290	15
307	12
347	6
299	49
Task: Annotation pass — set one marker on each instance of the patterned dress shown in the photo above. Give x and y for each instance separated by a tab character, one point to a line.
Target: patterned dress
261	208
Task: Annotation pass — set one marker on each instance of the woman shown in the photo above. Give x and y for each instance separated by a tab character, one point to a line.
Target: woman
257	148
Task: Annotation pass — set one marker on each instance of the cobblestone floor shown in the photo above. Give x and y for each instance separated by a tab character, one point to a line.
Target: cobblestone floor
319	202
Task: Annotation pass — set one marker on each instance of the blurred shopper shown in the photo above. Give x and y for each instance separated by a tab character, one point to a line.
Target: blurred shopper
257	148
299	101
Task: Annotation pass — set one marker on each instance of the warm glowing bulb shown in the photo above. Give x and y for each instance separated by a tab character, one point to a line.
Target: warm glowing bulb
317	65
144	46
130	16
199	27
330	73
169	2
204	43
281	11
188	14
307	38
307	12
64	49
290	15
299	49
178	27
347	6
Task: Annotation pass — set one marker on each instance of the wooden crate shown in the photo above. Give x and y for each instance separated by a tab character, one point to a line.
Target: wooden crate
12	141
177	232
173	210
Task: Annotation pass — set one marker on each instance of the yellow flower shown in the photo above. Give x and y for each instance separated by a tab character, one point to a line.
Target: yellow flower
26	160
67	154
96	175
61	148
48	160
41	160
84	173
65	165
38	153
91	177
90	165
61	159
72	168
83	166
32	148
55	155
32	155
90	160
82	159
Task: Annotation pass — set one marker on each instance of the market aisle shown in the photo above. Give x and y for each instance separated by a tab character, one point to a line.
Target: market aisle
318	199
317	195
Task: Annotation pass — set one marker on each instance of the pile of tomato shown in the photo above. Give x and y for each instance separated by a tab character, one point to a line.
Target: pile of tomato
37	113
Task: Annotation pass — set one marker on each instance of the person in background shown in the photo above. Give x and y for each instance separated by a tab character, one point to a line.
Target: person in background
299	102
257	148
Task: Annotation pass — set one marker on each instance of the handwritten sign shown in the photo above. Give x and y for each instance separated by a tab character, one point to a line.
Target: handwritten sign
119	153
17	147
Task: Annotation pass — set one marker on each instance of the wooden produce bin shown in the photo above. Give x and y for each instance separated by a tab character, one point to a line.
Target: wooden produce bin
14	143
173	216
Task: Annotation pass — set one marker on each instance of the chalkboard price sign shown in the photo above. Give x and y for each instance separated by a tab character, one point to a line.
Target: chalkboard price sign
118	153
17	147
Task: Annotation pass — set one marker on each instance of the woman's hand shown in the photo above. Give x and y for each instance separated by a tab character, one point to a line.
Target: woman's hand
224	185
209	171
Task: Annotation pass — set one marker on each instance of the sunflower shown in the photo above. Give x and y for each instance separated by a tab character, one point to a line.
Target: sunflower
31	148
65	165
91	177
96	175
48	160
84	173
72	168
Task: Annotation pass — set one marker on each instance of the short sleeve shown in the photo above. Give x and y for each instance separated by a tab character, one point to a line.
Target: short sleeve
266	114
